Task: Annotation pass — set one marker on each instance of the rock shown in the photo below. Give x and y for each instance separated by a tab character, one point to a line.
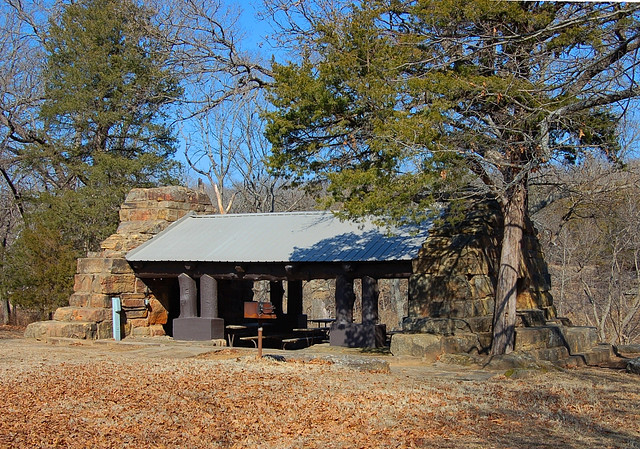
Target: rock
458	359
41	330
555	354
522	373
427	346
580	338
598	355
360	363
93	314
633	366
542	337
439	326
461	343
515	360
104	330
482	286
627	350
157	330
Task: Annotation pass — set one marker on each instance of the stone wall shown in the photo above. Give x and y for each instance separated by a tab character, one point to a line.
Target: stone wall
453	286
106	273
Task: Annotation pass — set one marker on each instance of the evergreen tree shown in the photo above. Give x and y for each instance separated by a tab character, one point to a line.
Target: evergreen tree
400	103
107	90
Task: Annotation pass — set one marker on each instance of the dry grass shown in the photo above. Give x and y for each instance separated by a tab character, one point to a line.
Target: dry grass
92	395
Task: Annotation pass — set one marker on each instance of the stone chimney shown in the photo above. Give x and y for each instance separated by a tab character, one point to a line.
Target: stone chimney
106	273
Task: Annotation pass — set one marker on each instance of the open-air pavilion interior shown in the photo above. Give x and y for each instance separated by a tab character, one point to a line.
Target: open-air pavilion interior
209	263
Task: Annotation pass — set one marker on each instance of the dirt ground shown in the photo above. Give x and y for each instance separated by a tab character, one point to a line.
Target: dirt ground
163	394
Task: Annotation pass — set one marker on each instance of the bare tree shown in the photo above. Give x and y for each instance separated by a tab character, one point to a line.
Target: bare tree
593	245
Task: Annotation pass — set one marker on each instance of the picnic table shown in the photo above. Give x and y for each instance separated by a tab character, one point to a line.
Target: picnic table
241	330
321	322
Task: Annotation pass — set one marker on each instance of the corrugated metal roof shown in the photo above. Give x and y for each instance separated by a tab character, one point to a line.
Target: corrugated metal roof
277	237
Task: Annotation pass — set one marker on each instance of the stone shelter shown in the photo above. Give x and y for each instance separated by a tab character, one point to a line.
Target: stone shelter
178	270
181	271
217	259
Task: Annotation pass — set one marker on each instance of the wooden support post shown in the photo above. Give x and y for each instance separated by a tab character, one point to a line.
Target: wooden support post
370	295
260	342
208	297
188	296
345	299
294	298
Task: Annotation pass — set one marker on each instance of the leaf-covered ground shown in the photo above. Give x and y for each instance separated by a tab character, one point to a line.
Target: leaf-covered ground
158	396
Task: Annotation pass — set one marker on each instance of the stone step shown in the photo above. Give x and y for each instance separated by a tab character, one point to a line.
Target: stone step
600	354
534	338
42	330
530	318
550	354
426	346
106	283
112	265
84	299
579	339
628	351
88	314
573	361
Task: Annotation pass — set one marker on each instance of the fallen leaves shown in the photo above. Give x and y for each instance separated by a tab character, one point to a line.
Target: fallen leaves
228	399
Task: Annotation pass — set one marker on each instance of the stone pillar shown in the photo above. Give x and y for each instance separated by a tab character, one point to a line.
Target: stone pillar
188	326
345	299
188	296
208	297
344	332
276	295
370	294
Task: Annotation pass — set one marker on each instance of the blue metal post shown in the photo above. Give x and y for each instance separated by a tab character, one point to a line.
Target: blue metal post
116	308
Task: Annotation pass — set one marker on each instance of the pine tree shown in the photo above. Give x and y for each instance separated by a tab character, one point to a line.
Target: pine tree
103	131
402	103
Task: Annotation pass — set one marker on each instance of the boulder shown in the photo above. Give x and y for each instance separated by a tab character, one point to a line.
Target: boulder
633	366
629	351
427	346
42	330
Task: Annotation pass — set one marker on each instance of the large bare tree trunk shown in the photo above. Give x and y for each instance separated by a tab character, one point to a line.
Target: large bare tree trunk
504	319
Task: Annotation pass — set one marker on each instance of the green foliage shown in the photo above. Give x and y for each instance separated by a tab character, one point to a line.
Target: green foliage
39	269
106	84
403	103
102	131
107	91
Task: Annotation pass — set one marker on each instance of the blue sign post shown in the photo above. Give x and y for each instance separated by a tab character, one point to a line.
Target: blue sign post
116	308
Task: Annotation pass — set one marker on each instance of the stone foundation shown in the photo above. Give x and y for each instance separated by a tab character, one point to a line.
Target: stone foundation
105	274
452	290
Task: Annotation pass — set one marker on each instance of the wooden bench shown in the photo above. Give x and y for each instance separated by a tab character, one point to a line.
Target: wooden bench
294	340
308	336
254	338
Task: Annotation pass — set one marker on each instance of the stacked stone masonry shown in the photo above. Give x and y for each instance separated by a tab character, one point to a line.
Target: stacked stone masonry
105	274
451	296
452	289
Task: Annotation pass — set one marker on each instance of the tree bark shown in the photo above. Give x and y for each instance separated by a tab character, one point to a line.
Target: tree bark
504	319
5	310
